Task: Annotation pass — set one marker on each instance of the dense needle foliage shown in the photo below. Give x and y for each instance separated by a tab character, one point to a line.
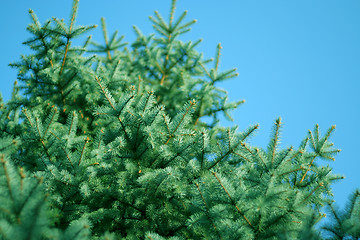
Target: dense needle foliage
122	141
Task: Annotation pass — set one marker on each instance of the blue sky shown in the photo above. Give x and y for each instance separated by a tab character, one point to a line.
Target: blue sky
296	59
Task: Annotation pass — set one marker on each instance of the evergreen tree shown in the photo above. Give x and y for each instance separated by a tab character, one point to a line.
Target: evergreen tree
119	141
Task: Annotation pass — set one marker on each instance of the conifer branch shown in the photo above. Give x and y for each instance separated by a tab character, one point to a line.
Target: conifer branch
87	42
207	211
160	22
64	150
202	149
288	151
167	127
36	212
328	133
34	18
101	136
176	24
103	26
139	84
116	68
230	151
105	93
262	160
291	171
275	140
22	176
83	150
65	54
314	190
68	34
55	135
248	132
184	28
177	61
6	146
73	14
51	120
172	12
204	69
296	154
217	58
353	200
312	141
29	195
247	149
38	128
232	200
27	117
334	231
71	123
124	130
42	140
229	142
59	180
163	77
192	103
219	160
159	29
132	206
178	154
336	216
159	68
8	179
139	124
68	157
303	177
243	157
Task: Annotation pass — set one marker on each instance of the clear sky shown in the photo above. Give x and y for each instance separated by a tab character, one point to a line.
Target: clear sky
297	59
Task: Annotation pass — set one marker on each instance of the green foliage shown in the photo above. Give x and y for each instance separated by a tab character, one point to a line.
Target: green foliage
346	223
126	144
25	212
21	197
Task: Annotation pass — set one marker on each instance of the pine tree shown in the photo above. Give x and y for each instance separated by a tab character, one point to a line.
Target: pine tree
119	141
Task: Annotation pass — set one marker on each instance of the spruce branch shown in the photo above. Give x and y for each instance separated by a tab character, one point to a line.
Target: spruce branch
208	212
184	115
203	135
172	12
282	157
180	19
261	158
106	93
321	146
233	148
83	150
232	200
37	130
291	171
274	140
65	54
104	29
243	157
178	154
217	57
8	180
345	224
307	170
321	184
